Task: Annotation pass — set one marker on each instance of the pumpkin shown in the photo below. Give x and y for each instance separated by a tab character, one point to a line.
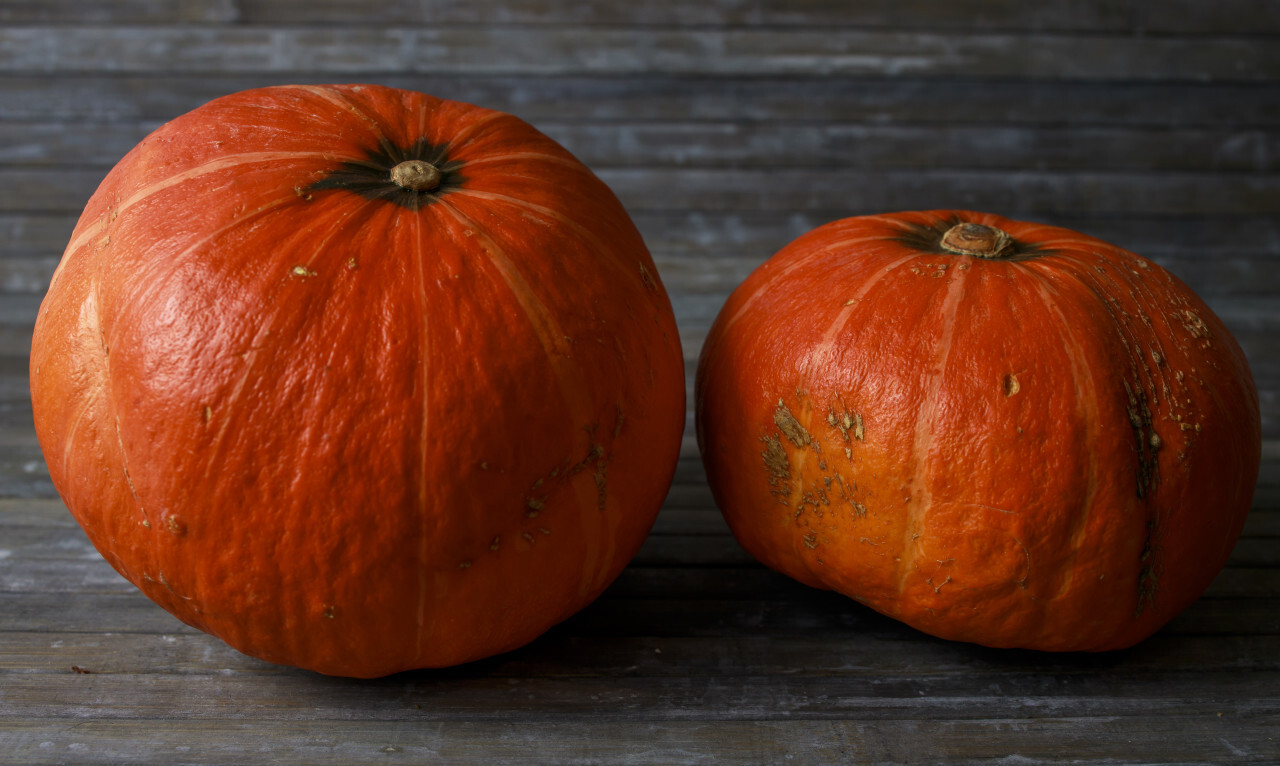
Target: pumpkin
358	379
995	431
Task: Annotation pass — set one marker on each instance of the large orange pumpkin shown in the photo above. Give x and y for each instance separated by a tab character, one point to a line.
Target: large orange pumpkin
358	379
995	431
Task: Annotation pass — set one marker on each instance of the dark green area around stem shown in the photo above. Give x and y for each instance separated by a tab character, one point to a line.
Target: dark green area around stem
371	178
927	238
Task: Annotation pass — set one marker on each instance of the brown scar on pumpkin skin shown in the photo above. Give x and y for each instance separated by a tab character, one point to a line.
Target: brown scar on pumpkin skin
1011	384
778	467
846	422
790	427
647	278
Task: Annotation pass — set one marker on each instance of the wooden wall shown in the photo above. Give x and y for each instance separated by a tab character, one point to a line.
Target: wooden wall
727	126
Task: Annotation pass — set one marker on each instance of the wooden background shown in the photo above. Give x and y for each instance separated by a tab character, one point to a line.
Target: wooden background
728	127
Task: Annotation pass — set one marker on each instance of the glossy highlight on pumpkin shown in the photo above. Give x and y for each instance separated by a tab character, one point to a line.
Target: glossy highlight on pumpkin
995	431
350	414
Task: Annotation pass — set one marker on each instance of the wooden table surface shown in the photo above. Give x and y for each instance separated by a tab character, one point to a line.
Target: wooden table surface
728	127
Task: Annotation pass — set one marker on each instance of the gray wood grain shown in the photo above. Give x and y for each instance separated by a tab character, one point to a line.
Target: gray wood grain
1194	736
794	145
1019	193
593	97
630	51
1181	16
728	128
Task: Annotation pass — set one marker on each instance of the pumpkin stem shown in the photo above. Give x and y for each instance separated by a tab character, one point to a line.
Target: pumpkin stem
978	240
416	175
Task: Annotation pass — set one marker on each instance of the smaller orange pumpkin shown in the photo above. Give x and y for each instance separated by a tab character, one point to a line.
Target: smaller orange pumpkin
995	431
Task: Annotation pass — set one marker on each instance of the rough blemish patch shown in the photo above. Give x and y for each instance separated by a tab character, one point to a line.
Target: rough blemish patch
465	565
207	414
303	271
778	466
1195	325
602	482
493	545
330	611
847	422
175	526
648	279
1011	384
811	541
1147	442
790	427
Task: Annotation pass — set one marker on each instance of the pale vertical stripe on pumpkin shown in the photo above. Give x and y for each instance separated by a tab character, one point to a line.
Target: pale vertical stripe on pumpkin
1087	418
816	357
226	162
462	136
625	270
340	100
424	544
551	337
80	238
923	499
823	349
799	263
90	322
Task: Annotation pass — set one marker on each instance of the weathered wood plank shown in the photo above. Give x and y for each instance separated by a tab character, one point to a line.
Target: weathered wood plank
1194	735
705	237
560	50
194	654
1186	17
981	15
1260	17
467	694
118	11
1016	193
791	145
578	97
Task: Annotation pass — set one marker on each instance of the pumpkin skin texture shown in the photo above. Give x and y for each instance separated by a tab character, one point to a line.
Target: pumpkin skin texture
1033	440
358	379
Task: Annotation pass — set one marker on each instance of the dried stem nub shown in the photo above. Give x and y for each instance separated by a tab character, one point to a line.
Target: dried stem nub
416	175
978	240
